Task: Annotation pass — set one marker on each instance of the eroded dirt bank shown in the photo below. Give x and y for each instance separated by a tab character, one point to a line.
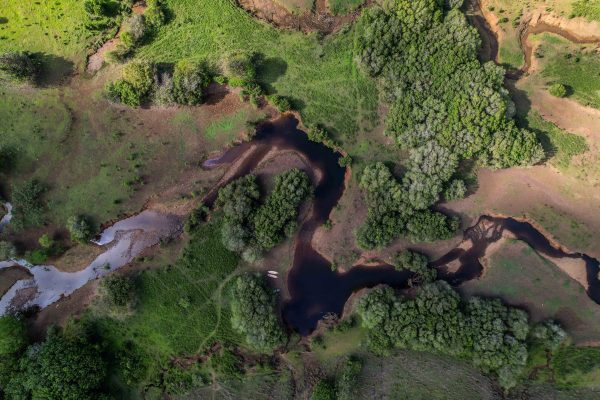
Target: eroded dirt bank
320	19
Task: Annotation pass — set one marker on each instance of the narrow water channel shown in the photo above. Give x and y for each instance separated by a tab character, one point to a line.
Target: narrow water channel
123	241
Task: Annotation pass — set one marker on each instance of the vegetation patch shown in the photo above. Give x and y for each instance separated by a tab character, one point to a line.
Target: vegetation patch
573	66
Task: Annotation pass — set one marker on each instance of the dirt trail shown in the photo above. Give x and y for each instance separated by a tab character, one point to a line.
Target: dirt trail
318	20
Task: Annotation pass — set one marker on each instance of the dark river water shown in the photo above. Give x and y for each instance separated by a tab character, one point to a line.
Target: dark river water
315	290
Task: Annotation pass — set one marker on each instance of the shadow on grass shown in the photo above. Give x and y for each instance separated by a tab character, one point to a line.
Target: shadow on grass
54	70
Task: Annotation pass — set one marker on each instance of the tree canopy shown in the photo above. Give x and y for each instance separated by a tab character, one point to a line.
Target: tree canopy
493	336
253	313
445	106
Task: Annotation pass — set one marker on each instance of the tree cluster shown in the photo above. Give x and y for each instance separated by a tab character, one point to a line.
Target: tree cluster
60	368
392	212
142	82
253	313
250	228
416	263
444	105
276	218
493	336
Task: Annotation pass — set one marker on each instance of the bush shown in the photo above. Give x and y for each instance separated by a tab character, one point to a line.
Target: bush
558	90
8	158
80	228
240	69
253	313
281	103
189	81
135	86
119	290
345	161
7	250
324	390
417	263
13	335
155	13
134	32
456	190
29	207
163	90
19	66
140	74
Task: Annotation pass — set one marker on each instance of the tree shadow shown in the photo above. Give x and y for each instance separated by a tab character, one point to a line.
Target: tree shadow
523	108
269	70
54	70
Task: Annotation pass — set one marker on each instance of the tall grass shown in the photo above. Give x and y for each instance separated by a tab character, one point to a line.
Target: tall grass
319	75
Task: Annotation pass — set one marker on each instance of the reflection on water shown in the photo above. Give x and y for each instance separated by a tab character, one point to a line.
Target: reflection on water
123	241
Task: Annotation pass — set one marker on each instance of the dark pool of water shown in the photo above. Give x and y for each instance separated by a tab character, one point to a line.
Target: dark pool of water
315	290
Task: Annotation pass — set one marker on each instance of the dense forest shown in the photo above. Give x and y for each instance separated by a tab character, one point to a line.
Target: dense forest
445	107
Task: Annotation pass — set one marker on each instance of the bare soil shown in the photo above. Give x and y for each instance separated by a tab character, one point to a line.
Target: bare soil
318	20
11	275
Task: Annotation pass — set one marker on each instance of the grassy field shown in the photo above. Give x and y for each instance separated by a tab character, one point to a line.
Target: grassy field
181	308
344	6
560	146
575	66
85	148
320	76
589	9
521	277
55	27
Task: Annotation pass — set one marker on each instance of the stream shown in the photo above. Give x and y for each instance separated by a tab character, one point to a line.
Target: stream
315	290
123	241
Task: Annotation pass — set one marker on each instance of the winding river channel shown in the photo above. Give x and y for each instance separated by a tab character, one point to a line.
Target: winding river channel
315	290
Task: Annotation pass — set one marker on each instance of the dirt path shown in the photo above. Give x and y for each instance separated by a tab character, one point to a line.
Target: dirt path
319	20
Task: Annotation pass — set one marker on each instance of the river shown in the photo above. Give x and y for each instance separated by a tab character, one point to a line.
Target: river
315	290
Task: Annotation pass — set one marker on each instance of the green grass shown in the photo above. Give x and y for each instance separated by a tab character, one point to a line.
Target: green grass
521	277
510	54
575	66
577	367
55	27
228	126
415	376
182	308
344	6
589	9
561	146
319	76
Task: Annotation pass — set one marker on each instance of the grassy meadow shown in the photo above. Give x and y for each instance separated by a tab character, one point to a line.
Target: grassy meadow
181	309
319	75
54	27
575	66
521	277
